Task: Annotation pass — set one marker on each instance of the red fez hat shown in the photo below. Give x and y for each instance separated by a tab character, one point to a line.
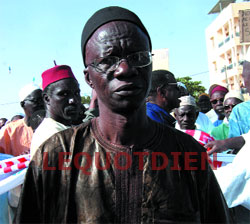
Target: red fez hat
56	73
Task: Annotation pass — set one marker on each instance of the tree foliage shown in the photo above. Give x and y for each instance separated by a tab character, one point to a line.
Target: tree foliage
85	99
194	87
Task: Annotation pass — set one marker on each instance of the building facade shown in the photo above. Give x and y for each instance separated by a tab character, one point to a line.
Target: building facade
160	59
225	52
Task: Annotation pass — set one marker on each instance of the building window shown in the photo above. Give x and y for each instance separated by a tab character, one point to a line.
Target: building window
212	41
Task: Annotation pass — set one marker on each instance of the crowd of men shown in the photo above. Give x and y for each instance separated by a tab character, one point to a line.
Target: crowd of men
136	155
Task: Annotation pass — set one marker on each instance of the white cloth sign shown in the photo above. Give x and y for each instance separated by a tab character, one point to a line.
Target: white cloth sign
234	179
12	181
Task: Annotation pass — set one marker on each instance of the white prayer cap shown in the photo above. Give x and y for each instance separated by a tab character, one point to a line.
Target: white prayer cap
27	90
187	101
234	94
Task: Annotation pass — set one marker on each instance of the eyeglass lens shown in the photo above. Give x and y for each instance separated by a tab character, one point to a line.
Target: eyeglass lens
227	107
216	101
35	100
110	63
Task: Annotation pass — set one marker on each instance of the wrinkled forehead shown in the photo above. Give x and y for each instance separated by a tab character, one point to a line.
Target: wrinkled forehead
64	84
118	27
122	34
186	109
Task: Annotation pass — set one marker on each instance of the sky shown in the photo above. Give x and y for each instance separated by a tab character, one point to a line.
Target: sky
34	33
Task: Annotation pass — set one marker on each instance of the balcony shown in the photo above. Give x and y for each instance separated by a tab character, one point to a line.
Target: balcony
229	66
227	39
241	62
220	44
223	69
243	90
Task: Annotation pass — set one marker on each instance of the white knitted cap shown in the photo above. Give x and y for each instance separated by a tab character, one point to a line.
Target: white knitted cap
27	90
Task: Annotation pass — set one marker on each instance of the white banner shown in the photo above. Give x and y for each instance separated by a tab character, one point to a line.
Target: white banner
12	181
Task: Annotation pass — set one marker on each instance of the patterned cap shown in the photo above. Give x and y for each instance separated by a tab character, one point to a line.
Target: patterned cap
187	101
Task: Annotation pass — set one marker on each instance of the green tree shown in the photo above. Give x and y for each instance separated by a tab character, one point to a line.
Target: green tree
194	87
85	99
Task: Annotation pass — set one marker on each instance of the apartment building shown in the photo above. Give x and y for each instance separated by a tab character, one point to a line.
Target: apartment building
160	59
225	52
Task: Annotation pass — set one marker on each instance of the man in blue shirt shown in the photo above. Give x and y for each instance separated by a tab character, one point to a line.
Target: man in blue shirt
163	97
239	120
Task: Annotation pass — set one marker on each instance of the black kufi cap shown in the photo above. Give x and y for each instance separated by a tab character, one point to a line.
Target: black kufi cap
106	15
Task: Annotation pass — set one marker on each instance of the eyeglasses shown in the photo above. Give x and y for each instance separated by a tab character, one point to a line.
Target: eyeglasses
110	63
227	107
35	100
216	101
174	84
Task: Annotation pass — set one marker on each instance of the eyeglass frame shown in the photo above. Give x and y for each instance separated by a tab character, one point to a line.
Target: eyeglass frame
119	61
170	84
34	100
229	106
215	101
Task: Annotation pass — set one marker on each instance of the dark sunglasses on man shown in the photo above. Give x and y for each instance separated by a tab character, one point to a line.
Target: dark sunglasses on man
173	84
216	101
227	107
34	100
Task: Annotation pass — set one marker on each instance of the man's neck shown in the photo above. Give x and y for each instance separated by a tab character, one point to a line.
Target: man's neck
127	130
160	105
221	116
58	119
27	120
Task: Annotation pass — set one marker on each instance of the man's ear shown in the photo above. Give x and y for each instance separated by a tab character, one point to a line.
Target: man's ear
161	92
46	98
87	77
174	113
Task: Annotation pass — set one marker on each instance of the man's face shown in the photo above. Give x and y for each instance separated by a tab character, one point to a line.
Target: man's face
246	75
33	103
64	100
217	102
124	89
229	105
204	104
186	117
171	95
